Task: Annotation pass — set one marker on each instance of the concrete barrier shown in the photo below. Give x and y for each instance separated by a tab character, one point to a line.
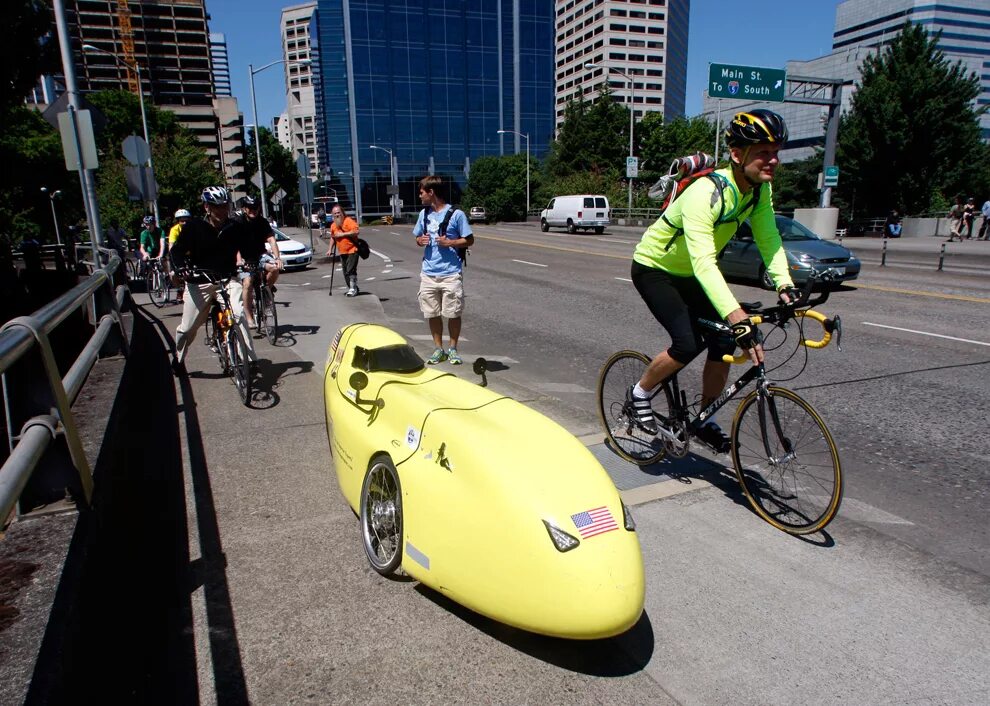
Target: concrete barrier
822	221
924	227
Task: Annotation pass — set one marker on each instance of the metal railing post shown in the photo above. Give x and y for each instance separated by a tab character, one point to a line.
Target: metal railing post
941	257
883	253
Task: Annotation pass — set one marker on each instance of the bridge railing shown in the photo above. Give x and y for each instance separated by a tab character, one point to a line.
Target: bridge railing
39	395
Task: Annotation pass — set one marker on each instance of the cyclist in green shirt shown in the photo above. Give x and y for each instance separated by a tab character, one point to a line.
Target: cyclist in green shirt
675	266
151	242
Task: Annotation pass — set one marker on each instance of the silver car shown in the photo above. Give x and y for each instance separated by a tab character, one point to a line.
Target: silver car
740	259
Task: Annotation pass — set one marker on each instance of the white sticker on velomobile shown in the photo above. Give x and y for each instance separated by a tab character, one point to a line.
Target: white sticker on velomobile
412	437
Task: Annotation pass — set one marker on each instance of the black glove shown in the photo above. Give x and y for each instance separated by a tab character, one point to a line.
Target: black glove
747	334
793	294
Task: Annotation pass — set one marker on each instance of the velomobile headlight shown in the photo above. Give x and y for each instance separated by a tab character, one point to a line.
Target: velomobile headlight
627	519
561	540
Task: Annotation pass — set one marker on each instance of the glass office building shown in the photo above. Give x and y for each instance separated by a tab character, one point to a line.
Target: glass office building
431	82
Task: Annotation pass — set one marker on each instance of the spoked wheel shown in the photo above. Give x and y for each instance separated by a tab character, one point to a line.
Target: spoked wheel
240	363
157	286
381	515
268	319
130	269
620	372
786	461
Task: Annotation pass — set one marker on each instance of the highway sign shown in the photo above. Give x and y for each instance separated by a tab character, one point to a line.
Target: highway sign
256	179
136	150
746	82
278	196
73	124
632	167
831	176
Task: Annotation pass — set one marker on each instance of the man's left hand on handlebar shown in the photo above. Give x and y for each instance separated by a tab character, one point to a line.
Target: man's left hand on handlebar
789	295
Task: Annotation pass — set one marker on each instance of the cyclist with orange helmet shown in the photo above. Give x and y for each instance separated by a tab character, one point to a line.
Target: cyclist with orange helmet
675	267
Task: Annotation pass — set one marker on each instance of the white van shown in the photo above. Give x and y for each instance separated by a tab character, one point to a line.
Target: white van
585	211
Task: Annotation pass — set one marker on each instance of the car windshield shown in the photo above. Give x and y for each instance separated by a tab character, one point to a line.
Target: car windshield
280	236
792	230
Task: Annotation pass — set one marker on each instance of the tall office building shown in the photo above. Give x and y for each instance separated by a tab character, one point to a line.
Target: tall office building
862	27
644	40
431	88
221	64
300	107
170	41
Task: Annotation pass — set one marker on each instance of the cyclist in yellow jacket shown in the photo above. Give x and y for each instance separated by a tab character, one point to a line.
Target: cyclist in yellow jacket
675	269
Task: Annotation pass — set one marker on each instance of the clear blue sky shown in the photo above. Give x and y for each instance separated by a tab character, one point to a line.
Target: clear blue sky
762	33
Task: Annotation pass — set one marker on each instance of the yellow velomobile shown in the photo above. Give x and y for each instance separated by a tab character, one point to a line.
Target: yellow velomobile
476	495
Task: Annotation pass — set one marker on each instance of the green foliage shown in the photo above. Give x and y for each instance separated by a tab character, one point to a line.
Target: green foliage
664	142
912	133
608	183
29	48
795	185
122	111
499	184
592	138
278	162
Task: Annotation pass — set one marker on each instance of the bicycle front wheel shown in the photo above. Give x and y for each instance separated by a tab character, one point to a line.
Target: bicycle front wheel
786	461
154	282
240	364
269	316
620	372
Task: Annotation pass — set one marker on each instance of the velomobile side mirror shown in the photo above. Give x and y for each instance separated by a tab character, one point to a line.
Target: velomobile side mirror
359	381
480	367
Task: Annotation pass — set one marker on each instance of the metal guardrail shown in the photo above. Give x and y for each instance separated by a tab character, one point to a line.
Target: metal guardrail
51	417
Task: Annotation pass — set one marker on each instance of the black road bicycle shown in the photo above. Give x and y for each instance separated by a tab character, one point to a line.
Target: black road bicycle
784	455
265	314
222	334
157	282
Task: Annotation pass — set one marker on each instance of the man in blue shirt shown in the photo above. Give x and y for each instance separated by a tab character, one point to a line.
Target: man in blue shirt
443	231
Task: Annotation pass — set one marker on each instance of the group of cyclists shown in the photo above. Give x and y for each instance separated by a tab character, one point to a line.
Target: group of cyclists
674	266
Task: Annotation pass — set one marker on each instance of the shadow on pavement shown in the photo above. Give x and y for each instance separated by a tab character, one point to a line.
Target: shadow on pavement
121	628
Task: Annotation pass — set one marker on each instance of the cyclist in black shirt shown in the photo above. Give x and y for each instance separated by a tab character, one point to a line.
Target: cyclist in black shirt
252	251
211	244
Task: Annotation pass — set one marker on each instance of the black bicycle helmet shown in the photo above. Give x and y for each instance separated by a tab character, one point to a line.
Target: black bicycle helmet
249	201
756	127
215	195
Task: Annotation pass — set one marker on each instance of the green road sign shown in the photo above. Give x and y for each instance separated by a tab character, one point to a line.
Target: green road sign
746	82
831	176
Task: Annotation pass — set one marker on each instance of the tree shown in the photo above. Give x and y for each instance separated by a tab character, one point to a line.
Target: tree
795	184
279	164
912	136
29	48
663	142
499	184
593	137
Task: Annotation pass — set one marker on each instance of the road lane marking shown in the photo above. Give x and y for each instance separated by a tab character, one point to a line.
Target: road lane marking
527	262
917	293
927	333
532	244
562	387
429	337
610	240
623	279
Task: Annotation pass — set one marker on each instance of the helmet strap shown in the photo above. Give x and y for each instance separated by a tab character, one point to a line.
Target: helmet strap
739	169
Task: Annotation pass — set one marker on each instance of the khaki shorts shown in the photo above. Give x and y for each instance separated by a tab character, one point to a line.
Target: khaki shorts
441	296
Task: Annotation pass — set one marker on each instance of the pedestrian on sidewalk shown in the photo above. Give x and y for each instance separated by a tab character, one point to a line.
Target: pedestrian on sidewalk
955	220
444	232
892	227
344	232
968	218
984	233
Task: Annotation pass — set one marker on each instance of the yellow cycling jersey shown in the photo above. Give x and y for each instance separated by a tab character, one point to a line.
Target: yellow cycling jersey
686	239
174	233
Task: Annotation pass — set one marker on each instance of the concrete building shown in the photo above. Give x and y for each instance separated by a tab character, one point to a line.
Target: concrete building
861	28
432	90
170	41
300	105
280	127
221	64
644	39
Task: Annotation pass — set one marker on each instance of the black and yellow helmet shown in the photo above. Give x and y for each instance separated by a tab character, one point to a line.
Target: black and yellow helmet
756	127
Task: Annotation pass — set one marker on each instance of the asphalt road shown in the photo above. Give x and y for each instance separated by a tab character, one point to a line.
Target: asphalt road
891	605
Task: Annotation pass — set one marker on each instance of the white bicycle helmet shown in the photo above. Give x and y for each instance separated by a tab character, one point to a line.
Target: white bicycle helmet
215	195
182	213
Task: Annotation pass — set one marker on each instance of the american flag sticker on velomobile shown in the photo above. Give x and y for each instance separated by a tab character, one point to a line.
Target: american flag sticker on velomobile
592	522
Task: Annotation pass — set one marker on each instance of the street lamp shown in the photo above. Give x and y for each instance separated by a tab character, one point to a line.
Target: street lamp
393	179
632	109
51	198
526	137
257	131
136	67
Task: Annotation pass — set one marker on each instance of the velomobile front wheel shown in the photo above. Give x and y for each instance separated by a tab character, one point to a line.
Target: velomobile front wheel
381	515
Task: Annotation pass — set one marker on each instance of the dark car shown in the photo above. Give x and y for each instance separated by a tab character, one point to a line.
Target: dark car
740	259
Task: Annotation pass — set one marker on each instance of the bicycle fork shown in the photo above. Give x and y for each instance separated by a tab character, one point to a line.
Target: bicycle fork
767	407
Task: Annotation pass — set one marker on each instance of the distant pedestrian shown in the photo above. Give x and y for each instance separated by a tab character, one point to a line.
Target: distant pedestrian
892	227
444	232
344	231
968	218
985	226
955	220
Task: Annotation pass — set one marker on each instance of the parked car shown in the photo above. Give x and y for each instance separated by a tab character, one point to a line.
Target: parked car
294	254
805	252
479	497
585	211
477	214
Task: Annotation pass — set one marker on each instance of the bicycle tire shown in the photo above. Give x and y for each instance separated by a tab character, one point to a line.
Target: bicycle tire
223	351
622	370
802	494
153	285
240	364
130	270
269	316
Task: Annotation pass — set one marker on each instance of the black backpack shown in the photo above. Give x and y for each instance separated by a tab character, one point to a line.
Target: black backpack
442	231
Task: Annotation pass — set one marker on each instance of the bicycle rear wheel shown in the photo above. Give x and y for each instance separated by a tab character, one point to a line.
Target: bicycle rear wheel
786	461
621	371
130	269
268	317
153	285
240	364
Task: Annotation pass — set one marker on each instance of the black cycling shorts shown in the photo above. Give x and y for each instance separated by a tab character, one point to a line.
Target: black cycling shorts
677	303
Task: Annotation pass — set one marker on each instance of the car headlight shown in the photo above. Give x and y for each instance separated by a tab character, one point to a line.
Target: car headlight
627	519
806	258
561	540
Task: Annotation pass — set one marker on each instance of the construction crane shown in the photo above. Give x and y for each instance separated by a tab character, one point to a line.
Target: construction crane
127	42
